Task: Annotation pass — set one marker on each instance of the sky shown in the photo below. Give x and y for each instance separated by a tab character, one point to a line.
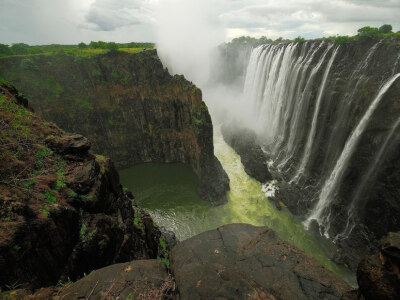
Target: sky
73	21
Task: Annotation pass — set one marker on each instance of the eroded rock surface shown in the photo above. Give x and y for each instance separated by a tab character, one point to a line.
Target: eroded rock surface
241	261
378	275
130	108
244	142
63	211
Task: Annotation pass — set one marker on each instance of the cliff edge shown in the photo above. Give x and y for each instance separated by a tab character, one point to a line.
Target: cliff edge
63	212
129	106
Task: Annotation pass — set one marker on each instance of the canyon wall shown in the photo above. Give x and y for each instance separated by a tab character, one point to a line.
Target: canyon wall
63	211
129	106
328	116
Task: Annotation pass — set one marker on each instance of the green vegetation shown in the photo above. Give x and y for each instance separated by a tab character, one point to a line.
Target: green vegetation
82	232
16	247
41	154
96	73
137	221
80	50
60	180
364	33
60	283
164	260
48	195
84	103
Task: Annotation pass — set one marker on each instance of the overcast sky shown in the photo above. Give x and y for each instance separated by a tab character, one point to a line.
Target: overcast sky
73	21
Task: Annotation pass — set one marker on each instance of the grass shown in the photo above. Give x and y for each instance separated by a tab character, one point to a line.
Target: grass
50	197
82	232
131	50
164	260
76	52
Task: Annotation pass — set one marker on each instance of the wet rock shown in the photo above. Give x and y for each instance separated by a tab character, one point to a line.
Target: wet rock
61	217
378	275
134	112
240	261
69	144
169	237
143	279
253	158
351	295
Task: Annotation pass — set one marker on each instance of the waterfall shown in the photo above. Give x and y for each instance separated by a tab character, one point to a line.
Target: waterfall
319	213
307	151
311	104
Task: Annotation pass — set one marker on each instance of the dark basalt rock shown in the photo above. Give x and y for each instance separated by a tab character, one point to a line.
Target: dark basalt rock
61	217
131	109
69	144
142	279
240	261
253	158
378	275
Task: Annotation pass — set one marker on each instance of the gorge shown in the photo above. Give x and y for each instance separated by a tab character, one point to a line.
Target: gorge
327	116
308	146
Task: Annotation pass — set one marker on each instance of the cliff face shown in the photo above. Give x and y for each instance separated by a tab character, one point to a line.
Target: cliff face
236	261
328	115
129	106
63	212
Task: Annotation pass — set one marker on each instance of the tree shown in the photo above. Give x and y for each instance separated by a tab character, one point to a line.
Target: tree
4	49
112	46
299	39
368	32
82	45
385	28
19	48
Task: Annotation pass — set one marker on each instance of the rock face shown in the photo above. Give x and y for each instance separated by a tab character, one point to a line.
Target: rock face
378	275
236	261
63	211
143	279
129	106
329	116
244	142
240	261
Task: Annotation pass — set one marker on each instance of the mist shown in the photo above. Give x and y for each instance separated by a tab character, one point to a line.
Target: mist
189	33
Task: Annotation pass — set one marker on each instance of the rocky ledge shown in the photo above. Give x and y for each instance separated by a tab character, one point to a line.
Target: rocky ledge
236	261
378	275
63	212
244	142
241	261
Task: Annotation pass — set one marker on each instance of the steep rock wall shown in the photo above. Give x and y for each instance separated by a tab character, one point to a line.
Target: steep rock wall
130	107
328	115
63	211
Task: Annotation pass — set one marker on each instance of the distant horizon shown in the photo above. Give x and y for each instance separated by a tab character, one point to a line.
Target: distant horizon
46	22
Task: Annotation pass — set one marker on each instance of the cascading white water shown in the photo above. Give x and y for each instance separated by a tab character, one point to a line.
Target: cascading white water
303	114
321	211
307	151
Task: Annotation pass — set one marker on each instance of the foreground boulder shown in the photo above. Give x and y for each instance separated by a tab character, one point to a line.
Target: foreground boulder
237	261
378	275
63	212
241	261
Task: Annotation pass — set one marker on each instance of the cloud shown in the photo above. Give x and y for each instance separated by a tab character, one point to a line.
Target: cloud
72	21
108	15
311	16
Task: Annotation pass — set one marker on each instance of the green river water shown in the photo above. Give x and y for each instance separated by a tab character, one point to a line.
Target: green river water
168	193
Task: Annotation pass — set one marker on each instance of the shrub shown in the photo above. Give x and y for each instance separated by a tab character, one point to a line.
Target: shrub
386	28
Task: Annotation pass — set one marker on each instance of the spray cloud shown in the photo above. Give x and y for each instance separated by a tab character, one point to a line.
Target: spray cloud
187	30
